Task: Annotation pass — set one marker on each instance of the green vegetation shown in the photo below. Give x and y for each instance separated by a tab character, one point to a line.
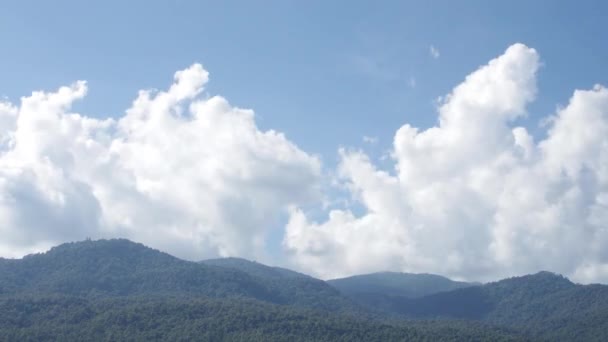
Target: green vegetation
204	319
123	268
120	290
541	306
294	288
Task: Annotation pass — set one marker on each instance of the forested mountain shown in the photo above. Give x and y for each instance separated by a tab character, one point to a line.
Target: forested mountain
124	268
541	305
121	268
300	289
256	269
117	290
206	319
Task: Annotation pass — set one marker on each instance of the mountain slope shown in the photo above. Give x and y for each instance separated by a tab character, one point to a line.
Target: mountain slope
124	268
301	289
543	305
255	268
121	268
175	319
120	290
117	289
384	292
496	301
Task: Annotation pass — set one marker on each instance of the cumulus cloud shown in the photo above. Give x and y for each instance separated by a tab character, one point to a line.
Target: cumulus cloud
475	197
185	173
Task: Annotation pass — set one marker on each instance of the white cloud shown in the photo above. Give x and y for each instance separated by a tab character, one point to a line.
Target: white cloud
193	176
475	197
434	52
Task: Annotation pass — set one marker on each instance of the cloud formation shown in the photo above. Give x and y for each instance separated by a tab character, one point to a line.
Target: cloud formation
475	197
185	173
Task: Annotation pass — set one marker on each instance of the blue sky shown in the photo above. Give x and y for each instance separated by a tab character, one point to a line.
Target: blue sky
308	68
327	191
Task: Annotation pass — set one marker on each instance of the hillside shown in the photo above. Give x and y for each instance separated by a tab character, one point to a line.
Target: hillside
298	288
204	319
384	291
123	268
117	289
255	269
542	305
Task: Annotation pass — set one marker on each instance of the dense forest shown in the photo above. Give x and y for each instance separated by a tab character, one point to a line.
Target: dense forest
120	290
174	319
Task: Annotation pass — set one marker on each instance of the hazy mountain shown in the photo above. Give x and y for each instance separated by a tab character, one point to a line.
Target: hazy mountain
255	268
385	292
483	301
541	305
396	284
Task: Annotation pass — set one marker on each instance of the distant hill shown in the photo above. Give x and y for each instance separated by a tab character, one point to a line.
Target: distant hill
543	305
489	301
409	285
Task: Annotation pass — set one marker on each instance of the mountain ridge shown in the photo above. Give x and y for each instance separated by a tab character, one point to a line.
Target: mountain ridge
104	273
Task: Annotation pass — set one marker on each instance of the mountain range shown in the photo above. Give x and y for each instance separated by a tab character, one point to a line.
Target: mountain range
121	290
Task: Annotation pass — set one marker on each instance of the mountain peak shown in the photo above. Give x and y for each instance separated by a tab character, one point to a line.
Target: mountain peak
100	250
532	285
541	277
547	274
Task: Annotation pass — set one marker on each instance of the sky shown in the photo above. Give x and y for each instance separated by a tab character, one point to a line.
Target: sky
468	140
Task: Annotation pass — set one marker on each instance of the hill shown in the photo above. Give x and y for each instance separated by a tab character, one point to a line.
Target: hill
384	292
256	269
124	268
301	289
118	289
542	305
409	285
